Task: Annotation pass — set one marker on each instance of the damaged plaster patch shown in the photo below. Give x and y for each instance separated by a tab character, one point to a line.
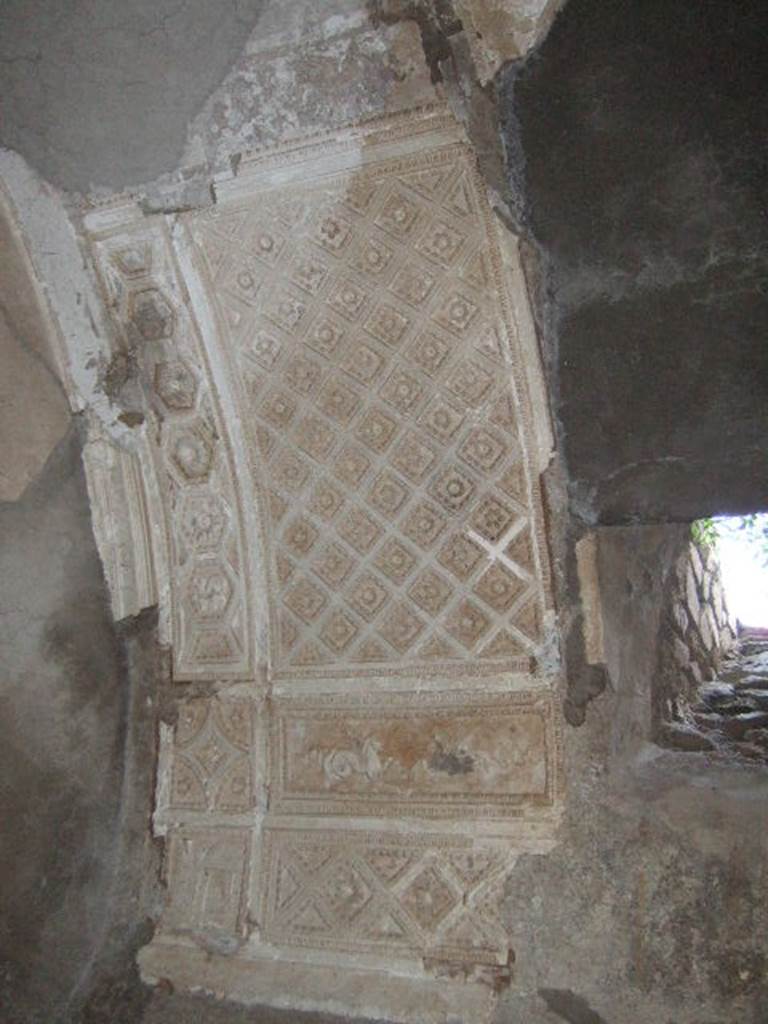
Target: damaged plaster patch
504	30
82	337
336	68
436	22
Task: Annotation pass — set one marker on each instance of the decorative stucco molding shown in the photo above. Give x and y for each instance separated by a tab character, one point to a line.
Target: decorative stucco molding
334	498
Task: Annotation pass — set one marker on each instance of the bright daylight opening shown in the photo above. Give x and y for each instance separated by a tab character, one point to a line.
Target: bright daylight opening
741	543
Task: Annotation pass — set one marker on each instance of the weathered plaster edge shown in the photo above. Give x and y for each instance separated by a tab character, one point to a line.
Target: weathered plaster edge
278	980
68	284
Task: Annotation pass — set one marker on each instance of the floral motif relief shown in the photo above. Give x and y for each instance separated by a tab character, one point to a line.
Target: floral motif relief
441	243
430	591
347	299
413	458
211	757
306	600
361	362
429	352
206	559
333	565
398	215
373	258
150	314
203	521
209	591
384	407
402	390
424	524
191	451
368	596
299	535
381	894
176	384
387	324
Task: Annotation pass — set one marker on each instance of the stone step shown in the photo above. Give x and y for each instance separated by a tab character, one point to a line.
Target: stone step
736	726
729	708
757	736
749	681
755	662
758	698
717	693
751	751
683	736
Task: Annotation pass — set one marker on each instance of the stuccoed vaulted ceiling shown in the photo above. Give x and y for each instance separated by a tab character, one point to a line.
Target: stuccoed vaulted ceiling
336	502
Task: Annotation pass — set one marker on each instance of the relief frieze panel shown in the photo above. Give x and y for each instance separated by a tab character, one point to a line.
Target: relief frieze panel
207	871
212	756
435	755
348	542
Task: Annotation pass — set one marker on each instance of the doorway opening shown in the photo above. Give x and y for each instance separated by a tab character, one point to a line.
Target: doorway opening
741	547
712	685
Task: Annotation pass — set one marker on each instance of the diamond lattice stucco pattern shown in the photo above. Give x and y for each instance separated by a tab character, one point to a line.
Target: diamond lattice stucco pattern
338	508
365	326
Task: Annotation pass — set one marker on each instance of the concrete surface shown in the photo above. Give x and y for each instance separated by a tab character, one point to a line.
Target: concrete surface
28	374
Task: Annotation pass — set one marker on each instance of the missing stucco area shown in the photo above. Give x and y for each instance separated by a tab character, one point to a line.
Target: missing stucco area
362	664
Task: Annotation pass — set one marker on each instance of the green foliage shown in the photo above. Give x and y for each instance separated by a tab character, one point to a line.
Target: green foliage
704	532
751	529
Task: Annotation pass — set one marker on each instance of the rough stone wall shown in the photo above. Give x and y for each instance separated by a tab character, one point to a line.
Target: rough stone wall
636	136
696	630
651	908
76	708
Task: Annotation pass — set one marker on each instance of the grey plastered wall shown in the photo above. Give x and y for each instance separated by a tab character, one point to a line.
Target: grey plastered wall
74	787
101	94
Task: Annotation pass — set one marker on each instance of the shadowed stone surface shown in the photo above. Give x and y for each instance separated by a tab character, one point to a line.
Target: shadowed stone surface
66	751
639	130
652	906
166	1009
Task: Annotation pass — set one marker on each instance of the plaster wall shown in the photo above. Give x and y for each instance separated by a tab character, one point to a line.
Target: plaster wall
71	779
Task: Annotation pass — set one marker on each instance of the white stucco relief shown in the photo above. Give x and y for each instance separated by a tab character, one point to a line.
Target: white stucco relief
334	498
